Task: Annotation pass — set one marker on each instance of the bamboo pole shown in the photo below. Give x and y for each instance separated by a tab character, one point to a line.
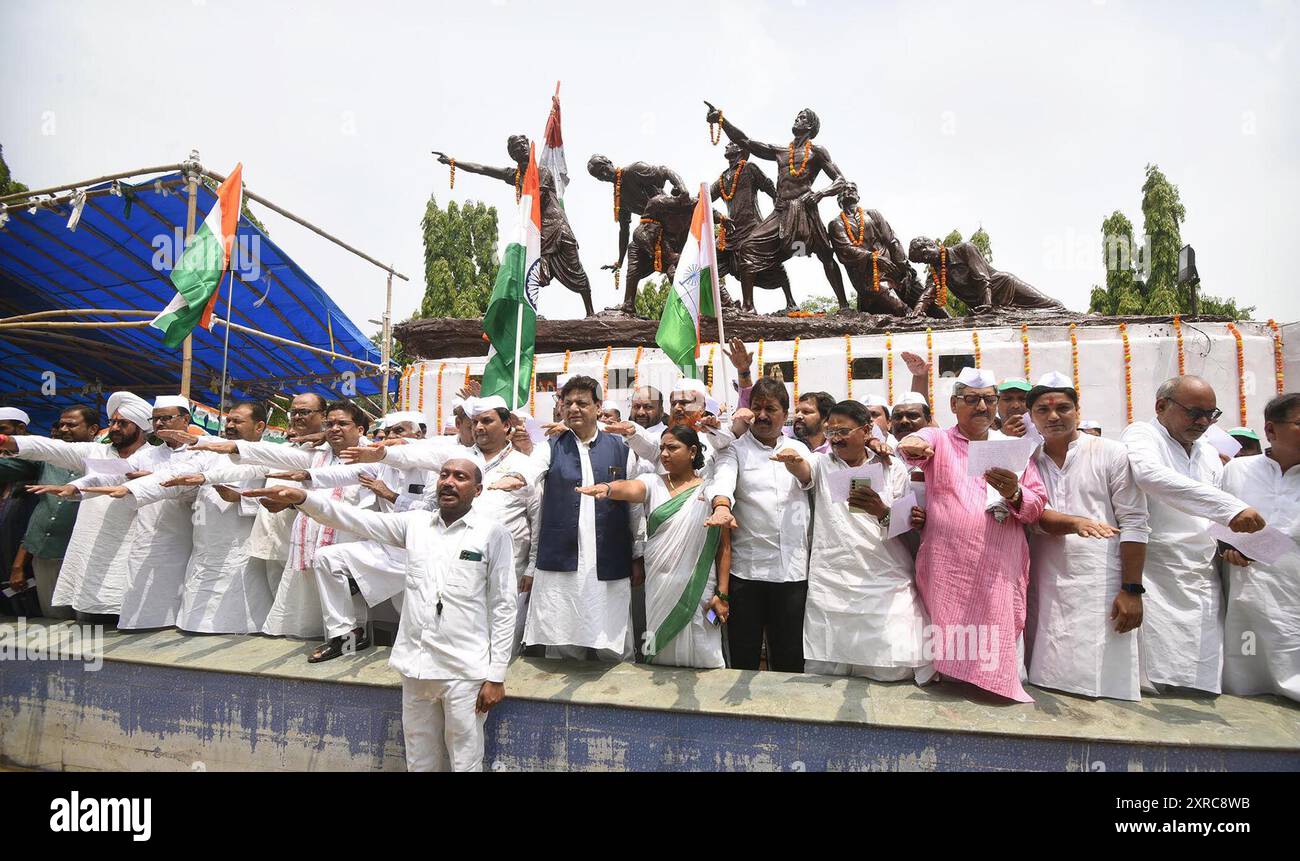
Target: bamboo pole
72	312
387	346
22	195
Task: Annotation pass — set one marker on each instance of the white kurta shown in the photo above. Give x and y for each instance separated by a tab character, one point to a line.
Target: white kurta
1262	629
1182	626
863	609
93	575
575	608
1074	580
671	555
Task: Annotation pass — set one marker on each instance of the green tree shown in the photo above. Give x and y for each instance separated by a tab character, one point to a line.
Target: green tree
820	305
955	306
1162	213
1121	295
7	183
651	298
243	207
980	239
460	259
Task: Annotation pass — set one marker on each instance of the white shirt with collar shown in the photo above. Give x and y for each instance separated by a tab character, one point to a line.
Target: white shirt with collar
467	567
771	509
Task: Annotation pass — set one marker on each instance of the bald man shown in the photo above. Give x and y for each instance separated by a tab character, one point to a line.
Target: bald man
1181	474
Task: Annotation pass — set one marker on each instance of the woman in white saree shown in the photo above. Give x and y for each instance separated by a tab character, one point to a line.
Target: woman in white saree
687	566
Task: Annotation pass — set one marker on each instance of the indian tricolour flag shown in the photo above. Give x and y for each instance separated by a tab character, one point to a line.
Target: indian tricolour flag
552	157
511	319
695	292
197	275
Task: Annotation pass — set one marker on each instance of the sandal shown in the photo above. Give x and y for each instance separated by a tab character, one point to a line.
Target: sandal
337	647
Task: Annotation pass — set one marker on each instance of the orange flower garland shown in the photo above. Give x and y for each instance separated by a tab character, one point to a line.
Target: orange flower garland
929	358
636	371
855	241
617	279
796	367
715	131
975	336
1241	373
735	181
1278	364
1024	340
889	366
453	172
1074	358
519	188
565	370
1128	372
618	193
848	363
659	254
604	380
1178	337
467	375
722	238
875	272
941	278
709	371
807	154
759	359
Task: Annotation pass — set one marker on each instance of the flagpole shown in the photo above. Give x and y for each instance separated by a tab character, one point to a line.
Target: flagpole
225	349
717	296
519	331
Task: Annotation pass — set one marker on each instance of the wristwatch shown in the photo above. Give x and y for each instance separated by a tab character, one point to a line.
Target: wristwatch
1134	588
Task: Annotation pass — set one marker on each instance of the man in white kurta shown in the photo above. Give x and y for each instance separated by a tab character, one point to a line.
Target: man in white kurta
1182	630
1085	593
863	616
453	641
1262	629
94	571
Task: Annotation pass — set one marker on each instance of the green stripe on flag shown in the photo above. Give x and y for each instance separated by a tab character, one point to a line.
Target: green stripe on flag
501	325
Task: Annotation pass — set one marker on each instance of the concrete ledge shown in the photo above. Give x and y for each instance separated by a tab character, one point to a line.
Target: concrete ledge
167	700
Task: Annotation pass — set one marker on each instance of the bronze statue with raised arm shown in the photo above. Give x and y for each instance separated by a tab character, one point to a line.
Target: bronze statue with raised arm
560	258
794	226
738	186
972	280
865	245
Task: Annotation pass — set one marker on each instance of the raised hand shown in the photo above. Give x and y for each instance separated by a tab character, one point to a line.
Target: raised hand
596	491
787	456
115	492
191	480
377	487
219	446
555	429
623	429
64	491
916	365
138	473
298	475
916	448
470	390
714	115
177	436
363	454
736	351
721	517
1248	520
508	483
281	495
226	492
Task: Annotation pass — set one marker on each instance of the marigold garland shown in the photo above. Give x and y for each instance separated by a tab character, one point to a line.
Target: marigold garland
875	272
1241	373
1178	337
467	376
735	181
759	359
659	254
807	154
848	364
941	277
929	359
889	366
453	172
604	380
617	279
618	193
722	238
796	367
709	372
975	336
1128	372
636	371
565	370
1074	358
519	188
1024	341
1278	365
715	130
855	241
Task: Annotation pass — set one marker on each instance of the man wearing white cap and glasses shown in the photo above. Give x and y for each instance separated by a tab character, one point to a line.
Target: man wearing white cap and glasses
94	571
1086	556
973	566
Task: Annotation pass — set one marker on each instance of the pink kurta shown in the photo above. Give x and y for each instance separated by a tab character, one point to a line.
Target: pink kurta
972	571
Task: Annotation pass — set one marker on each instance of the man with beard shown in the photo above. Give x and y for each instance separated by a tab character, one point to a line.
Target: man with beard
50	526
1013	409
648	409
453	642
559	244
973	565
972	280
810	414
296	610
94	572
1087	555
635	186
794	226
739	186
1182	637
224	589
872	255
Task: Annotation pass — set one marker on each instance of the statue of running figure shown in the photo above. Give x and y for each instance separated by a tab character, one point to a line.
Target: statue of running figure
739	186
795	224
559	244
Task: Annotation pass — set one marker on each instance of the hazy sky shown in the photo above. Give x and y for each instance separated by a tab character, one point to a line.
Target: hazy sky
1034	119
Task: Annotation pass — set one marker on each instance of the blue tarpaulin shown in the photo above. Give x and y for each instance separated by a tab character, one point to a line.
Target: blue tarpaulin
120	257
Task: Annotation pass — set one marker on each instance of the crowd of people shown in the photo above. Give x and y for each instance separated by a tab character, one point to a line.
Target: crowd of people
837	538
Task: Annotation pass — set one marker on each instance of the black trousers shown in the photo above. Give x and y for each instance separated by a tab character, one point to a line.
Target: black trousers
776	608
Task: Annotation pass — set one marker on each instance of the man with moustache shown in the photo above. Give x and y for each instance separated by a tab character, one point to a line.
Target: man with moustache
1181	474
453	642
973	565
910	415
50	526
1087	555
810	414
878	409
648	409
1013	409
94	573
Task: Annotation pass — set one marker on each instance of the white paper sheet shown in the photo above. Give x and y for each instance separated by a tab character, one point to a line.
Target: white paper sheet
1222	441
841	480
1011	454
535	432
9	591
108	465
1267	545
900	515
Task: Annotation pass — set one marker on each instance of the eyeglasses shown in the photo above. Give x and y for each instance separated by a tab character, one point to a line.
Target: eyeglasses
1196	414
974	400
302	414
841	433
339	424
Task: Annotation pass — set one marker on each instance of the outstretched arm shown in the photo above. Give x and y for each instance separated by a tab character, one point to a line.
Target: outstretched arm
735	135
833	171
505	174
670	176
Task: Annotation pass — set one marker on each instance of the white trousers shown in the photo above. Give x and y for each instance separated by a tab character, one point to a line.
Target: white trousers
440	726
274	571
879	674
380	573
47	574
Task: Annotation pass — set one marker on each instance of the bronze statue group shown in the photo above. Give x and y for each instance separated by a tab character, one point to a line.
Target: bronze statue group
754	248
